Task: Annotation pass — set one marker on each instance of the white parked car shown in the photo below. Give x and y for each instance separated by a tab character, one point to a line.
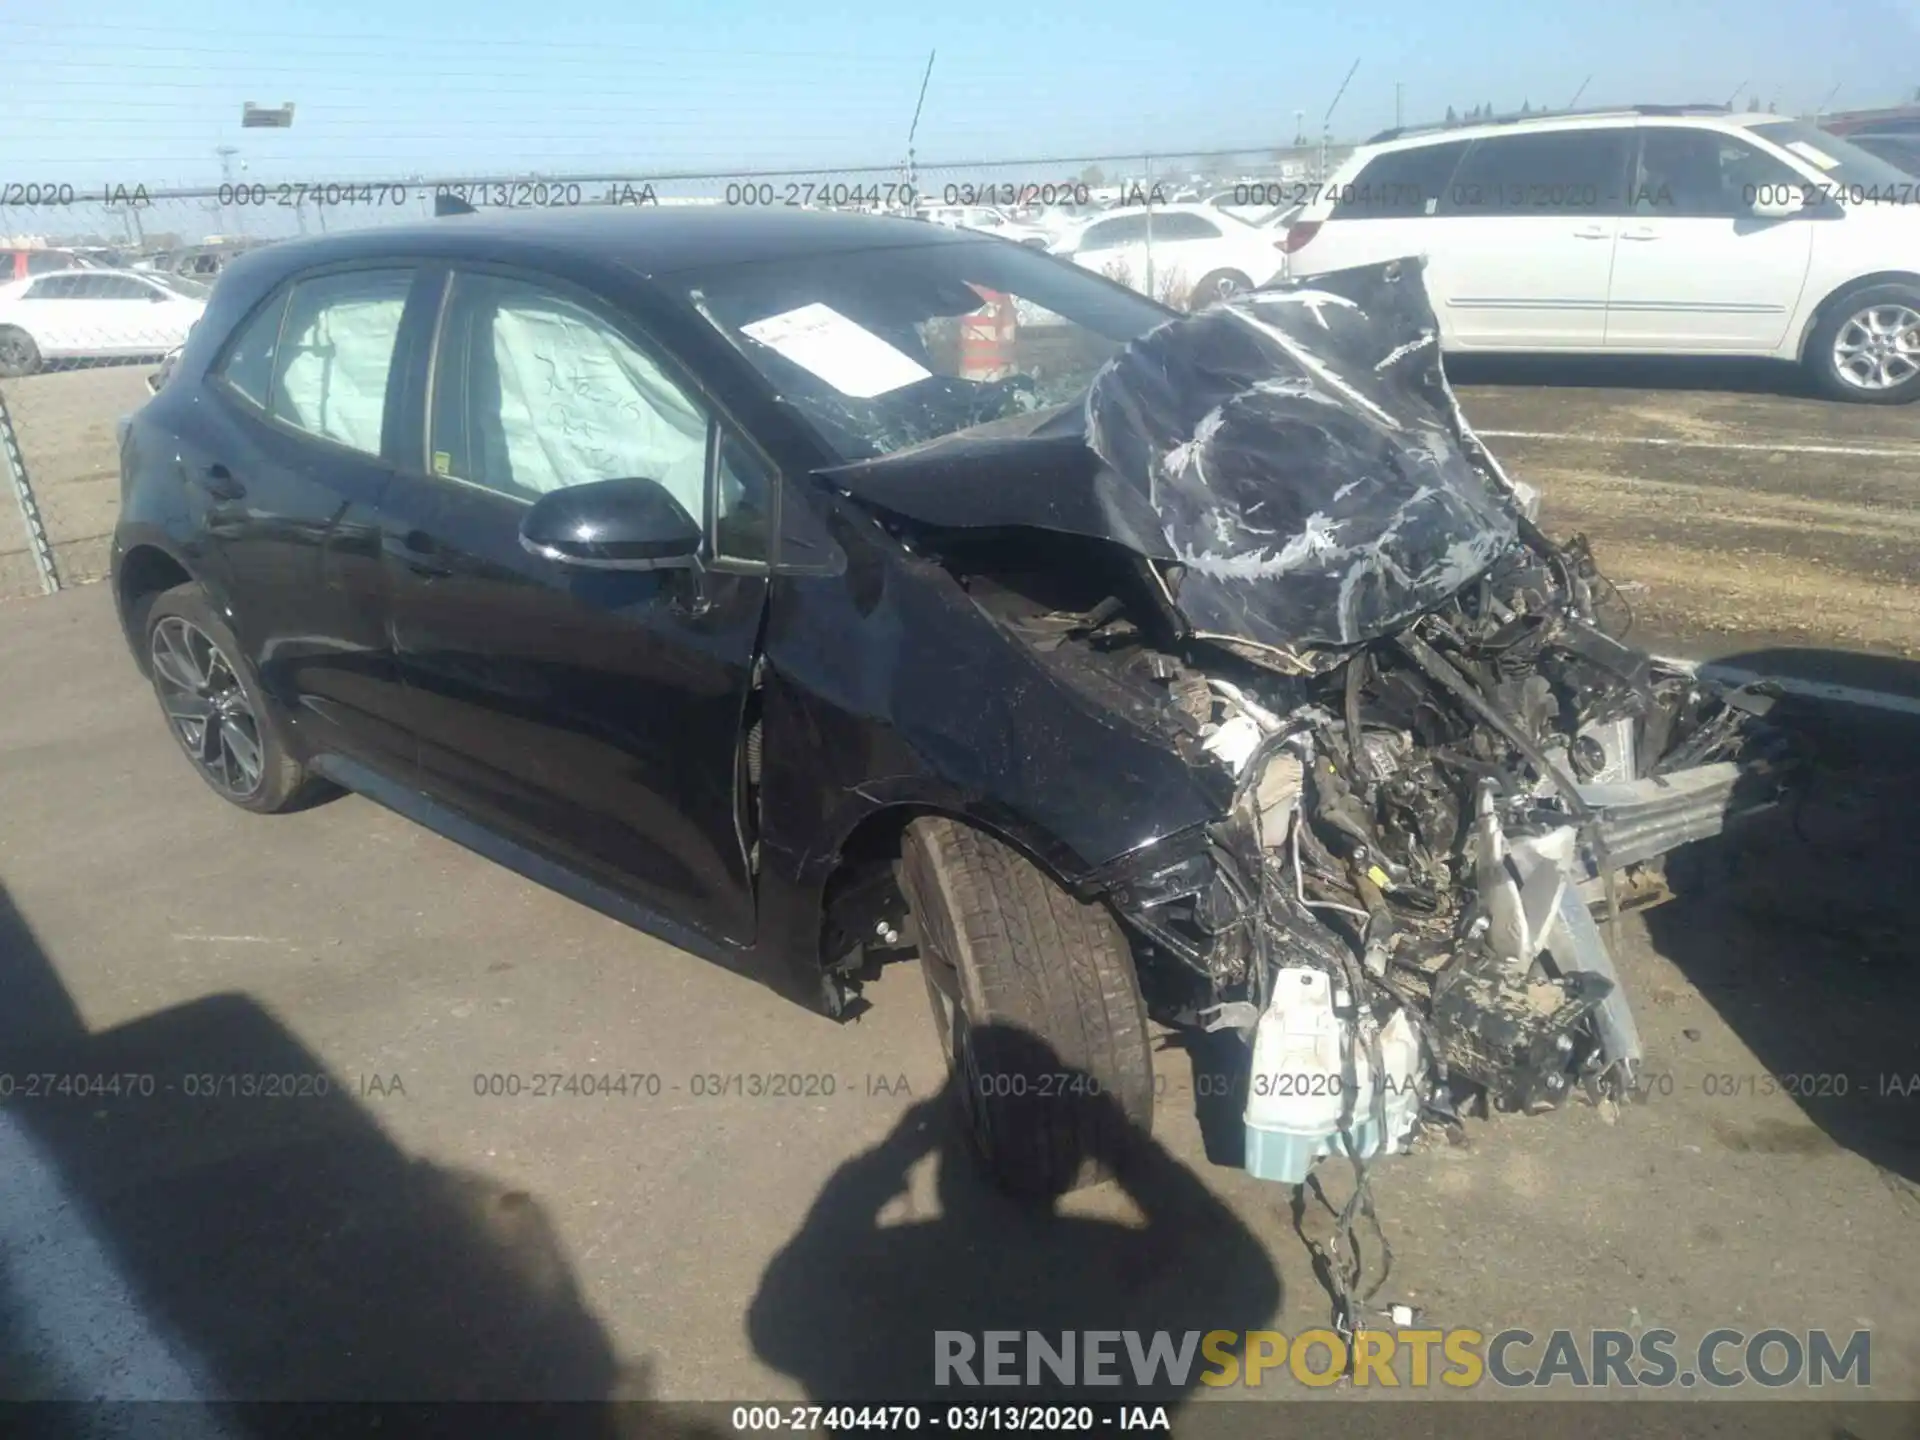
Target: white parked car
1660	229
93	314
1192	254
988	221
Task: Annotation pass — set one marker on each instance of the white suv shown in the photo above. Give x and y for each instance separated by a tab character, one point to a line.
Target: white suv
1662	229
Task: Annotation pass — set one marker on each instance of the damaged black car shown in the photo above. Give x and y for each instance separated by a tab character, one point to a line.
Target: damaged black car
822	590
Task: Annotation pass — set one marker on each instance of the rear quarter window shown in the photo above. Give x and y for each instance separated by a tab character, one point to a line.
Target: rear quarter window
247	365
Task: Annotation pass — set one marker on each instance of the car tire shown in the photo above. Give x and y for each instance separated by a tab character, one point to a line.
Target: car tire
1217	285
240	748
1038	1008
1886	367
18	354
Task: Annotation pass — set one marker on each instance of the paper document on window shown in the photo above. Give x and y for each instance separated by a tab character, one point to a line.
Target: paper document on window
1813	153
853	360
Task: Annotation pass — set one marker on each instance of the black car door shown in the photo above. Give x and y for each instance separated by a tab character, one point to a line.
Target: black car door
286	463
591	715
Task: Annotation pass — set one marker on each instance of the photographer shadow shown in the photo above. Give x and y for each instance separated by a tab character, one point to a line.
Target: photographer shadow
169	1233
851	1305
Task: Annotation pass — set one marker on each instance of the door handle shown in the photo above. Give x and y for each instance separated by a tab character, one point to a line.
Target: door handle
218	482
416	550
1643	233
1593	232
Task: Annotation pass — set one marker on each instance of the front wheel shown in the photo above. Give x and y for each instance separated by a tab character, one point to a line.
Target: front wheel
1036	1002
1867	347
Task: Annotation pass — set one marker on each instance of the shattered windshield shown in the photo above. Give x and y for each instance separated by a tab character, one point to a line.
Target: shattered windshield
884	349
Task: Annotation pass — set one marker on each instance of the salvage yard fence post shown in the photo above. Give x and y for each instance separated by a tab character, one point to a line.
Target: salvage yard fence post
16	472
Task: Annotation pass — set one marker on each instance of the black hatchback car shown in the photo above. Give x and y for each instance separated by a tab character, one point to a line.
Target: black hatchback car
810	588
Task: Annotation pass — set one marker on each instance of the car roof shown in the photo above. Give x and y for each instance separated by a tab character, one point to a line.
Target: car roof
89	270
1177	207
1412	139
646	239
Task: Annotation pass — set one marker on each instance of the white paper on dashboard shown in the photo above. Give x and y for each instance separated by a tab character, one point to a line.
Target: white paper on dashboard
1812	152
850	358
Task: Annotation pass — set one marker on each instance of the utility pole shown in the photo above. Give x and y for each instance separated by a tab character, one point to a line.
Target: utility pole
913	174
1326	123
1397	89
226	154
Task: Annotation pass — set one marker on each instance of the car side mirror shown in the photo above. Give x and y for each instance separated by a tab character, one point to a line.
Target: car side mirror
1777	202
613	525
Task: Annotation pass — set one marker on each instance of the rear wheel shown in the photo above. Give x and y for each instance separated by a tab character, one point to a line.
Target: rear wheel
1037	1005
215	707
1866	347
18	354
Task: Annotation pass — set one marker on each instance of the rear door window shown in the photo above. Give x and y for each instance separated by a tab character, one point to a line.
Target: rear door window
1399	184
122	287
1127	230
1551	172
335	354
1182	227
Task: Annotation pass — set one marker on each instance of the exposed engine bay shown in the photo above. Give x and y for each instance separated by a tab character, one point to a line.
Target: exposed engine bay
1272	541
1428	823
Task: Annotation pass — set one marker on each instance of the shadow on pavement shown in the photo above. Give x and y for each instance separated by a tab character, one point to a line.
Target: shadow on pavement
1738	375
165	1234
851	1305
1802	929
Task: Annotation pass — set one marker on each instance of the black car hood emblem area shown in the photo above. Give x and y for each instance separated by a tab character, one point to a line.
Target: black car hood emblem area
1296	452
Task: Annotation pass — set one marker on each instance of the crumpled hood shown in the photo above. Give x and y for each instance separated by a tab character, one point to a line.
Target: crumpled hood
1305	458
1297	451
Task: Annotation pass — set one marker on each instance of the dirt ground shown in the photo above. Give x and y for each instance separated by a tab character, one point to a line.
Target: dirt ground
1733	518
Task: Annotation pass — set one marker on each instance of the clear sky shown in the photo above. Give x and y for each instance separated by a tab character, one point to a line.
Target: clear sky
126	90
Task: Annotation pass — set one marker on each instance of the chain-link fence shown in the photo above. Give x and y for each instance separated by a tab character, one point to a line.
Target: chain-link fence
97	283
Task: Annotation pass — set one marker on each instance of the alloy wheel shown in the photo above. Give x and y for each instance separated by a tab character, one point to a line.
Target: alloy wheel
1879	347
207	706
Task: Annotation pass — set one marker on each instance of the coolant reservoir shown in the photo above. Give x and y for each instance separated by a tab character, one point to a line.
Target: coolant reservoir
1295	1091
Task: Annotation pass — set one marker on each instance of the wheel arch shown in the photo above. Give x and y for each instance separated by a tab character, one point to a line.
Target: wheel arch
1840	292
146	569
871	846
